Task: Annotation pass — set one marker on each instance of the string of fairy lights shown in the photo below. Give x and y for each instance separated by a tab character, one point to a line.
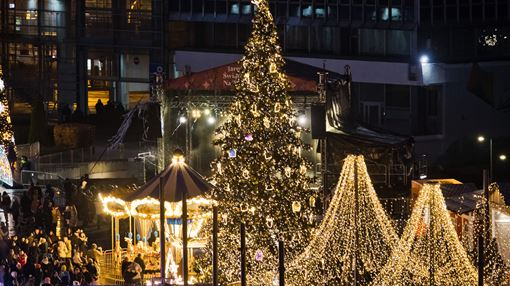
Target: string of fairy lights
429	251
354	239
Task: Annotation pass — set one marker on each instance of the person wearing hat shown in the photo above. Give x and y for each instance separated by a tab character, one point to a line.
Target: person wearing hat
64	275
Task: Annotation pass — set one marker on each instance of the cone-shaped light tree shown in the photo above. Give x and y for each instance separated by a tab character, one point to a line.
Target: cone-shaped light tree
495	270
429	251
260	176
353	241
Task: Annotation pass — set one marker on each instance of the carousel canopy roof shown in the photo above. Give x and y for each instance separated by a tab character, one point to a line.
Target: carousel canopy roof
178	178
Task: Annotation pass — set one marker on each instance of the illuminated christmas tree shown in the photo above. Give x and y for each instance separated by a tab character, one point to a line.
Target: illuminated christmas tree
6	137
429	251
260	176
353	241
6	132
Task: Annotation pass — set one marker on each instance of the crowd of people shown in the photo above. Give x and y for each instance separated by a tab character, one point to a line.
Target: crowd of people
41	242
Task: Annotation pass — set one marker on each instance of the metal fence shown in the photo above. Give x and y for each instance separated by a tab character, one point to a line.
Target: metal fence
40	178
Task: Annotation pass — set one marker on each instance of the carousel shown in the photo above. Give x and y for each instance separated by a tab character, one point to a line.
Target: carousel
184	192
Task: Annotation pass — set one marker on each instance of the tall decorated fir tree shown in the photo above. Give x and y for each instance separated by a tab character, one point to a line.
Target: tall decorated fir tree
6	132
260	175
7	153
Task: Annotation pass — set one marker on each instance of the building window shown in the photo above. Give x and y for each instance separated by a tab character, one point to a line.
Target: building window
398	96
297	38
398	43
325	39
98	3
371	41
429	115
139	4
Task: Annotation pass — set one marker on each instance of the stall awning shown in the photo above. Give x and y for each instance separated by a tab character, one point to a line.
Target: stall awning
302	77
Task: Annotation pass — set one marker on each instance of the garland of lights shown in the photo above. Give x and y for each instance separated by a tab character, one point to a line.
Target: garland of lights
354	239
429	251
114	206
118	208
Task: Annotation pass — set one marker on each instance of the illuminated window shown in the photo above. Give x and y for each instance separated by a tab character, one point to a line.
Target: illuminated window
139	4
98	3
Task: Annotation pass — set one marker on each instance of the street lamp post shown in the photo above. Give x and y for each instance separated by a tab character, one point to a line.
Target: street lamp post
501	157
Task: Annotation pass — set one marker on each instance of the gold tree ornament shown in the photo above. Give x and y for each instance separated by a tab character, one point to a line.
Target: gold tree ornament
312	201
303	169
255	111
246	174
273	68
288	171
296	207
218	168
277	107
266	122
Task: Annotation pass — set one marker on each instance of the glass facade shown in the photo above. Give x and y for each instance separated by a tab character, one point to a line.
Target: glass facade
108	48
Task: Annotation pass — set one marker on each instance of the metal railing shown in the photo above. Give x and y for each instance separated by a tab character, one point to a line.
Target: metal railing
40	178
67	157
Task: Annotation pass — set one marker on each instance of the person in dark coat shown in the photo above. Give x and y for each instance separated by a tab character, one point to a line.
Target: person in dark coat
123	267
15	208
99	107
139	260
6	206
12	156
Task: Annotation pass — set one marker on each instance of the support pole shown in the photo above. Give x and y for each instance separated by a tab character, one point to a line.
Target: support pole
134	231
491	169
162	231
484	223
432	269
131	230
356	212
184	239
281	262
243	255
113	235
215	247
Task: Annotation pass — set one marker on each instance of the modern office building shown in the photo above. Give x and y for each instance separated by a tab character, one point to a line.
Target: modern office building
411	60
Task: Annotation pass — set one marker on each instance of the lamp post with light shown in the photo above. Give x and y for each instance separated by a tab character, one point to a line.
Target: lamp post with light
487	178
501	157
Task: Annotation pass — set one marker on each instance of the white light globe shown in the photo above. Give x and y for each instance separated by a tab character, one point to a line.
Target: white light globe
211	120
302	119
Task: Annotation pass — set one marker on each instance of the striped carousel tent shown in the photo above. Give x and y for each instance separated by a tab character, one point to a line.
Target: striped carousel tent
182	190
178	179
